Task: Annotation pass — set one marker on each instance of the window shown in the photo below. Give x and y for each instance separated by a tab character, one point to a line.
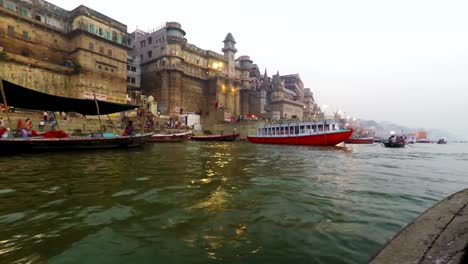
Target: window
108	35
133	69
150	54
143	43
128	79
10	6
91	46
91	28
101	49
99	67
141	57
11	31
24	12
38	18
119	39
112	70
150	40
128	67
100	32
109	52
25	35
132	80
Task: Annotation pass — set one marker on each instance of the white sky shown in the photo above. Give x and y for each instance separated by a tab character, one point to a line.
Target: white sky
402	61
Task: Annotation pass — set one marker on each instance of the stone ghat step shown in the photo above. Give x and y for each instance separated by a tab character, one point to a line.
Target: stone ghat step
439	235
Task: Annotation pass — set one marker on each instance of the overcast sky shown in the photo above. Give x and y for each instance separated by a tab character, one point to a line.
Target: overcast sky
400	61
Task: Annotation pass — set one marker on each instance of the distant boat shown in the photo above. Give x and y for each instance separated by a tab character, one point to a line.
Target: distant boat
442	141
229	137
363	140
301	133
390	144
423	140
178	137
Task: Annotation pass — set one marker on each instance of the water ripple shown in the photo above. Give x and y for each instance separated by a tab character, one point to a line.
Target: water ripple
203	202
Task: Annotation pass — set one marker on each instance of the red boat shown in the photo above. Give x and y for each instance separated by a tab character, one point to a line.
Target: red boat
230	137
365	140
178	137
302	133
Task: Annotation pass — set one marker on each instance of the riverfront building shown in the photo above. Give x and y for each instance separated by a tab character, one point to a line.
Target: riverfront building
185	78
67	53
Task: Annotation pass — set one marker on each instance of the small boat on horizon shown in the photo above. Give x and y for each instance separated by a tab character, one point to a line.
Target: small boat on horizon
442	141
228	137
423	140
301	133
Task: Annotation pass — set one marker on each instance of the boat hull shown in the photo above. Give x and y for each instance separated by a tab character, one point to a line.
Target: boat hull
170	137
360	140
389	144
19	145
324	139
230	137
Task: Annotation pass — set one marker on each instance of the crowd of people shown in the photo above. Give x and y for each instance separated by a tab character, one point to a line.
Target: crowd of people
397	139
25	129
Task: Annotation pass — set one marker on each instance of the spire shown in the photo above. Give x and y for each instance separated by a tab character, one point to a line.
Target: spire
229	38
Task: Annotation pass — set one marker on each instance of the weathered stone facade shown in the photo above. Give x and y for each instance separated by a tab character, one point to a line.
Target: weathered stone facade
184	78
280	97
67	53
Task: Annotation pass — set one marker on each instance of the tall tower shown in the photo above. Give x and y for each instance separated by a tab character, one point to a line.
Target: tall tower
229	52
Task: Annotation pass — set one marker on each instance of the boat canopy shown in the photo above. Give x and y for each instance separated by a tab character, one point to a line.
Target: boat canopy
22	97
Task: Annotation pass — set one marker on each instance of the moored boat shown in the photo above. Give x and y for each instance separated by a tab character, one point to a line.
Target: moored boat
20	97
20	145
301	133
228	137
363	140
177	137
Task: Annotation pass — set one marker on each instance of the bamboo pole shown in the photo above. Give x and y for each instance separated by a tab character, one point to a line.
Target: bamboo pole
99	115
56	120
115	128
5	103
143	120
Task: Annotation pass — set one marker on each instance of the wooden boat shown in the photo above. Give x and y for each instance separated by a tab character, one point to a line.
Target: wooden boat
364	140
20	145
423	140
390	144
26	98
442	141
229	137
178	137
301	133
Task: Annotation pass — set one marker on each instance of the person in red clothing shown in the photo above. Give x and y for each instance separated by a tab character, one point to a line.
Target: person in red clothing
19	126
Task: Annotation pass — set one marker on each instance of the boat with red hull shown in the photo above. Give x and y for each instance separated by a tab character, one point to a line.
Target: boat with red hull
302	133
366	140
229	137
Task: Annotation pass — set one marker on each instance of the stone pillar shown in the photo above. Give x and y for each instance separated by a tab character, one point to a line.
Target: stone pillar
164	102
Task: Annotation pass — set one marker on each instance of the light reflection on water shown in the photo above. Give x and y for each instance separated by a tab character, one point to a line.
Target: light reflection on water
235	202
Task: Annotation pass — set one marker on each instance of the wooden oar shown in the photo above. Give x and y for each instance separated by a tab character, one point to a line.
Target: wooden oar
5	103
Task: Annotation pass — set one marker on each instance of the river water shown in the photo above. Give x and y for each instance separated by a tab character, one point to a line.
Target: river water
199	202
